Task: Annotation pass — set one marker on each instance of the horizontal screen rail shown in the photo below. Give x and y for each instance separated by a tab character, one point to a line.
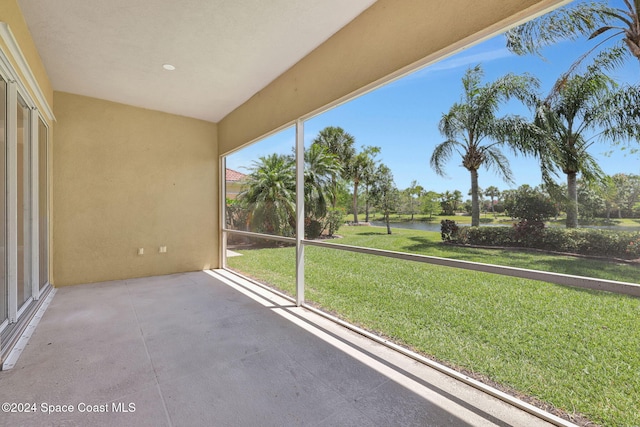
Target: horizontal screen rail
545	276
261	235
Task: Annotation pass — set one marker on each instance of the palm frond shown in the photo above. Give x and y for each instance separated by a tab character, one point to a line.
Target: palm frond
566	23
441	154
498	162
619	115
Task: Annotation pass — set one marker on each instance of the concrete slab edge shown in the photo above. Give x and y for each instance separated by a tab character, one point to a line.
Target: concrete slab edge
16	351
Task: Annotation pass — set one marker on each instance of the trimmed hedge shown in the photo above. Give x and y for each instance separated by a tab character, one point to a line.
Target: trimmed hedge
584	241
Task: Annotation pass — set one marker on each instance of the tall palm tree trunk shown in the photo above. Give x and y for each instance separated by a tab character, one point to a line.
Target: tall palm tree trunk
572	195
355	202
475	205
366	203
334	192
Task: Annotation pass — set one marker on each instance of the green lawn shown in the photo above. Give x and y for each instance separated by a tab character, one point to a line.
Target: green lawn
576	349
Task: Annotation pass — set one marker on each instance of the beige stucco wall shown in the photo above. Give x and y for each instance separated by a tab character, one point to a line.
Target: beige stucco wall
128	178
11	14
389	37
233	189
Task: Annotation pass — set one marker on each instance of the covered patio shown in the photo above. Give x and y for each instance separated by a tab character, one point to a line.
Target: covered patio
118	119
209	348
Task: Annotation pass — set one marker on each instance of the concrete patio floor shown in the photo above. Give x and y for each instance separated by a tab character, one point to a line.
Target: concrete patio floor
207	349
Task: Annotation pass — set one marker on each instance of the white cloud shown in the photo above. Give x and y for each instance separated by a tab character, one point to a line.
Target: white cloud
458	61
461	60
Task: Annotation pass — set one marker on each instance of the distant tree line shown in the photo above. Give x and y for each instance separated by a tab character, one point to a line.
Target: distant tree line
337	179
618	196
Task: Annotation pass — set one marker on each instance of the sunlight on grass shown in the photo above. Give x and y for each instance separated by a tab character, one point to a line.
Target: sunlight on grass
275	267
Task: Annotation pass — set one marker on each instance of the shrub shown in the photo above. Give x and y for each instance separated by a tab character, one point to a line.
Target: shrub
312	228
529	234
237	215
556	239
486	236
602	242
530	204
633	248
333	220
449	230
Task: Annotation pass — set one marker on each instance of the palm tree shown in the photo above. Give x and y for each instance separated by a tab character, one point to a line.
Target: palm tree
450	201
493	192
319	167
473	131
480	196
455	199
595	20
341	145
446	203
357	170
586	108
270	194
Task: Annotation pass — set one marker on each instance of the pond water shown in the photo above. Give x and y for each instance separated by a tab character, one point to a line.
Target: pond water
435	226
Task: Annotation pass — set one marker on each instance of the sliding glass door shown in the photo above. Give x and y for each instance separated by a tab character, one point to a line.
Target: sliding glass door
24	207
24	203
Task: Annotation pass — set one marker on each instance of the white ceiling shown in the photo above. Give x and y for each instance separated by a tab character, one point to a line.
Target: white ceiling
224	51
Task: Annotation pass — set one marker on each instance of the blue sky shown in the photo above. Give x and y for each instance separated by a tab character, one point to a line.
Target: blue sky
402	117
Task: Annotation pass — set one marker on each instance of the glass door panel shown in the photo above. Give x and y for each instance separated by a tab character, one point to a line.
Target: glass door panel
4	290
43	204
23	195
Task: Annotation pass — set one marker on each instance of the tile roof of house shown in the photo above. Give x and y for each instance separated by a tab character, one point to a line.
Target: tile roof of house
234	176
